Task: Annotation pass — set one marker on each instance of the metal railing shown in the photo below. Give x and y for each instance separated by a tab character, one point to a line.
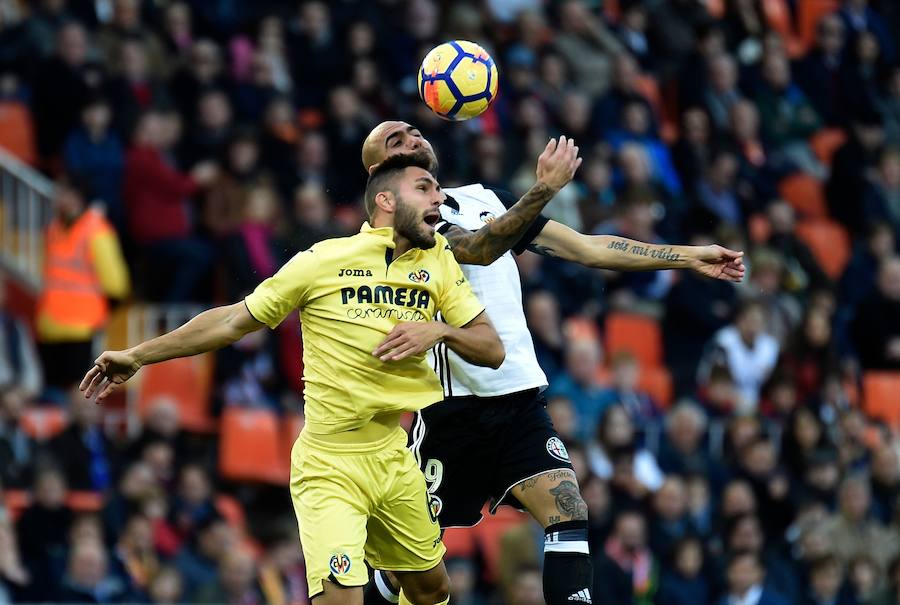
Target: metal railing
26	208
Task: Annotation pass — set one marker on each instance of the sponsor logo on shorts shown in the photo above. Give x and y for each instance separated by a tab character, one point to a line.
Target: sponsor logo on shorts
557	449
339	564
420	277
435	505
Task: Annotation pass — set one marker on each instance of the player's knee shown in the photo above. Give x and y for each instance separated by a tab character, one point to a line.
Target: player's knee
433	589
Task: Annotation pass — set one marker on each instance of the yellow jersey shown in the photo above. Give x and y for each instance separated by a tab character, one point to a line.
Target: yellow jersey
351	292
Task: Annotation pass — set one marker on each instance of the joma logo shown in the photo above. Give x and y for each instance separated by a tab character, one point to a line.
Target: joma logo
355	273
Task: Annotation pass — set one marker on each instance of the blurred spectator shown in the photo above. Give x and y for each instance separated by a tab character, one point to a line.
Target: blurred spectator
744	533
202	71
192	505
135	484
133	89
890	595
864	577
758	463
83	268
852	530
87	578
859	18
674	28
178	35
226	200
615	455
861	274
788	118
586	44
851	167
19	363
635	127
745	574
889	105
135	562
803	437
876	329
282	574
881	202
716	190
65	75
669	521
607	111
17	450
767	278
684	450
562	414
696	308
95	151
251	251
312	217
682	582
626	571
818	73
811	355
211	127
722	93
747	351
14	577
82	450
236	581
199	559
527	587
463	582
802	271
632	31
158	214
624	391
315	53
126	27
691	153
166	586
42	531
826	580
885	483
579	384
542	312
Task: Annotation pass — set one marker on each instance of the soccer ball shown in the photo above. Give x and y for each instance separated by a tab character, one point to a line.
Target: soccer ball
458	80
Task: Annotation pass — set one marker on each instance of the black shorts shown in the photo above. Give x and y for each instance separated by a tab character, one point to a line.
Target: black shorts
473	449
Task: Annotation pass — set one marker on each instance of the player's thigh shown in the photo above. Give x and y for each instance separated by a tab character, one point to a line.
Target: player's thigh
403	533
457	458
332	513
552	497
335	594
535	471
425	587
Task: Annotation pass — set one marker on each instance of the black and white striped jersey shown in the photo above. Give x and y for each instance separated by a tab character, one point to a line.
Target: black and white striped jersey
500	290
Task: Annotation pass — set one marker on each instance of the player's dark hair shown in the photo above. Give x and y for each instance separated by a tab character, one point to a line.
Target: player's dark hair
382	178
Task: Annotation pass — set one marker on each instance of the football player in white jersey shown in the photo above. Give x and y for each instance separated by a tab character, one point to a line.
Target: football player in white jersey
491	438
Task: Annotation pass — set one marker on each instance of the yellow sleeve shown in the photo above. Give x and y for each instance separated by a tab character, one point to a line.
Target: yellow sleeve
285	291
458	304
112	271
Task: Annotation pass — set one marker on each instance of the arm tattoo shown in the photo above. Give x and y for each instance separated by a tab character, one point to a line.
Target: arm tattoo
644	250
542	250
569	502
491	241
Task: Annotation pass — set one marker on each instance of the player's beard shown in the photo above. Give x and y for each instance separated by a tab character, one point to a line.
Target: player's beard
409	223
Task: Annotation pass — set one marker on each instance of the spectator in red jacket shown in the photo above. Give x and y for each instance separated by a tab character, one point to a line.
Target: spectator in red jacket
158	197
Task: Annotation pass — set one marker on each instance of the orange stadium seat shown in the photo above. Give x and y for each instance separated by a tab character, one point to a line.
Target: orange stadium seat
657	381
231	510
16	501
805	194
249	446
84	501
488	534
829	243
826	142
187	381
809	13
44	422
17	131
638	334
881	396
460	542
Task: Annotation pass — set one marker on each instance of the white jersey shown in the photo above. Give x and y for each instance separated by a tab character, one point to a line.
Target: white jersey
500	290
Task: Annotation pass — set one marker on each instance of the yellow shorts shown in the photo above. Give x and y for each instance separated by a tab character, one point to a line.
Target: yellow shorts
354	506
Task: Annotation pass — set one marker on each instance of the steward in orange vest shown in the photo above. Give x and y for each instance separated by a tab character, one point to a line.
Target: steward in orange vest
83	268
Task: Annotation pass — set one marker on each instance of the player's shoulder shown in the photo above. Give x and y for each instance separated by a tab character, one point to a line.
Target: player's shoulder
326	251
478	194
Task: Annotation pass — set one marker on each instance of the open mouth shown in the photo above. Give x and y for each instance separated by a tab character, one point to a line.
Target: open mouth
431	219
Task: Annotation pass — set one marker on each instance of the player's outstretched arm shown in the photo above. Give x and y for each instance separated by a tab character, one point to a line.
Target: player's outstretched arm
477	342
556	167
210	330
623	254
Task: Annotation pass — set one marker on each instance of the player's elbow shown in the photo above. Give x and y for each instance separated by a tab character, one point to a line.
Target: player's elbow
495	355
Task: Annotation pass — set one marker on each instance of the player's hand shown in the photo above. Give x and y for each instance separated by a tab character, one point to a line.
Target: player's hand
110	370
557	164
719	263
410	338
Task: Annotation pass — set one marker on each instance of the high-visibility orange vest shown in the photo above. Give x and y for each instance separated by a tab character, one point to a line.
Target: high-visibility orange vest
72	294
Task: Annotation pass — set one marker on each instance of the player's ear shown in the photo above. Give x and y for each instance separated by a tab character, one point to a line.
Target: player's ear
374	167
385	201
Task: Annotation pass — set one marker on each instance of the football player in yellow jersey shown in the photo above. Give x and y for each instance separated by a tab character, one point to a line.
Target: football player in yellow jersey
367	304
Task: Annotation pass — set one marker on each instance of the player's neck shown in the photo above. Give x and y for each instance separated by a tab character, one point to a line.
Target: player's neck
401	243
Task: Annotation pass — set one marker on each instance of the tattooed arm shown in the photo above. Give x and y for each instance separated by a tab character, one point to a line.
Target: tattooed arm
556	167
623	254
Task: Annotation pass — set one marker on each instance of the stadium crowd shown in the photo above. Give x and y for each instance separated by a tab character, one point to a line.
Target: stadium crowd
202	143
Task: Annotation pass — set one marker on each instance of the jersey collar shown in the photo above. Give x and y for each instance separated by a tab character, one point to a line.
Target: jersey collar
385	233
